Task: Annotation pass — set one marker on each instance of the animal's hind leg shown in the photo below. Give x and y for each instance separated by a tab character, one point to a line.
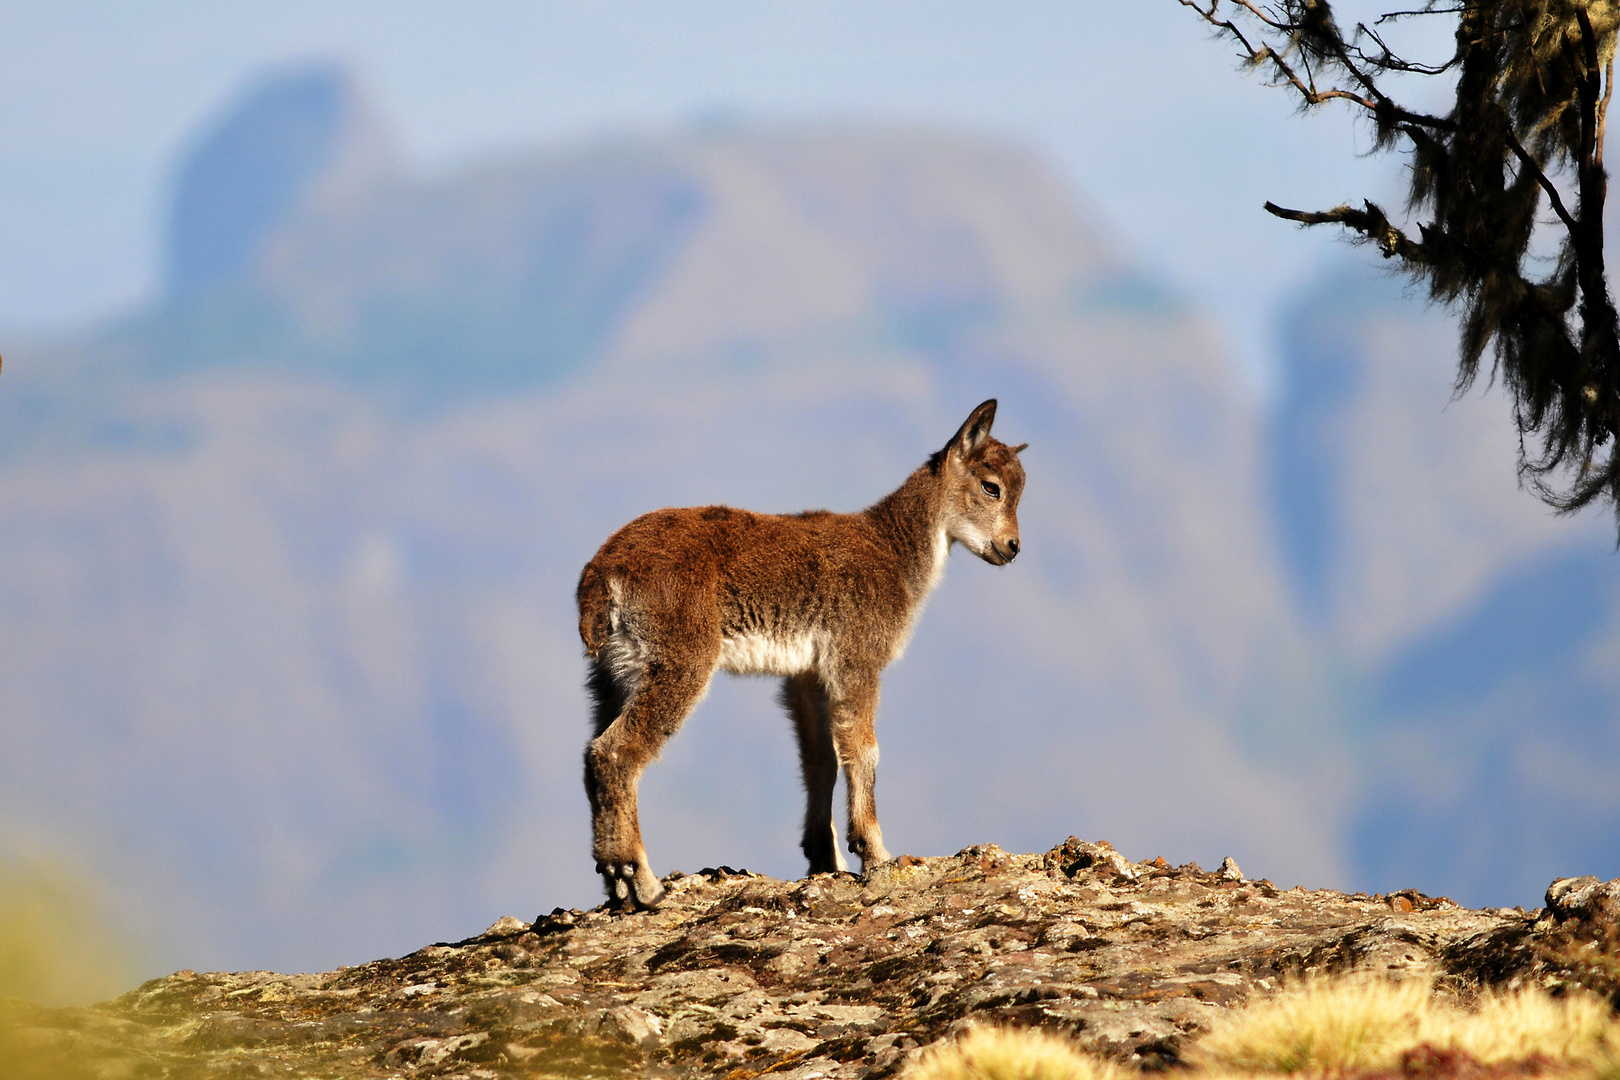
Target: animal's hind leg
652	710
806	701
609	695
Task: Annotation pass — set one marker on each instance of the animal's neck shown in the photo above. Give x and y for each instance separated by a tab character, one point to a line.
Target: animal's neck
911	519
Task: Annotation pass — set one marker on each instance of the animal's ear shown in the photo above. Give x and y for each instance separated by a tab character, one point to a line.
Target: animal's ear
974	430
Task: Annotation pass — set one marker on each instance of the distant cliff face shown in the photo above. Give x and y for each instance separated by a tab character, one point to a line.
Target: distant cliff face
290	142
1469	636
673	256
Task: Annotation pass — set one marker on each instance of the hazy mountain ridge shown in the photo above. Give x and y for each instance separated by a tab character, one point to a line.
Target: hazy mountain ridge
286	627
716	249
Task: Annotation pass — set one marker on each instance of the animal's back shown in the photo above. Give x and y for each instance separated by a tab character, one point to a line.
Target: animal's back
771	581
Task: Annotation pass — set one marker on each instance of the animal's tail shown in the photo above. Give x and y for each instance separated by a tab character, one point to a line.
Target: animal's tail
595	609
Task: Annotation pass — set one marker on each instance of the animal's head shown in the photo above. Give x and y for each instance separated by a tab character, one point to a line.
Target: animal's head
983	480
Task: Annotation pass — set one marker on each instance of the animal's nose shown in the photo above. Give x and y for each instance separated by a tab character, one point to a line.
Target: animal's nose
1012	545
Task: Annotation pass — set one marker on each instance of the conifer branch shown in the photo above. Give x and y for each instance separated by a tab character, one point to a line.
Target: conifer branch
1532	81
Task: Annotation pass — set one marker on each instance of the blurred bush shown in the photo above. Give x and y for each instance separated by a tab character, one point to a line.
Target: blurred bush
56	947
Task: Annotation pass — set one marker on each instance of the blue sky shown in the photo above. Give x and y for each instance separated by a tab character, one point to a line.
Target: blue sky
1170	149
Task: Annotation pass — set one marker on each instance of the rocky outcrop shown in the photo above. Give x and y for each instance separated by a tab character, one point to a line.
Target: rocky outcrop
1583	898
832	976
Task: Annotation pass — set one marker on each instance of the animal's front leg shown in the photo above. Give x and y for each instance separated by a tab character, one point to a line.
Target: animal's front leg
854	713
806	701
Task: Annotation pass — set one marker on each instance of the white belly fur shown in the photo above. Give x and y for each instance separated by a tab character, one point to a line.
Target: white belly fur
762	654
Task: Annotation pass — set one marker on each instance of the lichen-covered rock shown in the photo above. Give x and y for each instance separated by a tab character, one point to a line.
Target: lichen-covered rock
834	976
1583	898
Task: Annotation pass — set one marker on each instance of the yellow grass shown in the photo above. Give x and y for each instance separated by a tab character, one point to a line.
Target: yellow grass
1578	1028
1006	1054
1361	1022
1348	1023
1322	1026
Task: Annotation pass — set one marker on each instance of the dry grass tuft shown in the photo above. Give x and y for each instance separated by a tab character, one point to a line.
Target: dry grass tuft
1348	1025
1010	1054
1579	1029
1359	1022
1355	1022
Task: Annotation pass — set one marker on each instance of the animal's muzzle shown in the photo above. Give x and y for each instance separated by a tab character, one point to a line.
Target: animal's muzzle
1003	553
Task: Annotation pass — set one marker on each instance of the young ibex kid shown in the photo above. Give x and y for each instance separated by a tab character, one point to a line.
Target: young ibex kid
825	600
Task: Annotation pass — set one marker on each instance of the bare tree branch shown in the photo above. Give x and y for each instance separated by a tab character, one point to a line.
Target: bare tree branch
1544	181
1370	221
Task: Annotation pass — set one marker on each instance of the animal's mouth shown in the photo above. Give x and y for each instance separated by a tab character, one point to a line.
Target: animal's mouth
996	556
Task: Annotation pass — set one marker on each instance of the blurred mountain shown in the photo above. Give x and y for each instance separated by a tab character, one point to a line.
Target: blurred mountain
287	648
658	254
286	632
302	138
1468	637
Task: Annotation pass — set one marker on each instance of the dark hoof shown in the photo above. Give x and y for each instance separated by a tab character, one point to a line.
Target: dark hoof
821	861
630	886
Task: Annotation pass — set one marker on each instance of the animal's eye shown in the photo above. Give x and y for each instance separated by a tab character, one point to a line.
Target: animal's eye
992	490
